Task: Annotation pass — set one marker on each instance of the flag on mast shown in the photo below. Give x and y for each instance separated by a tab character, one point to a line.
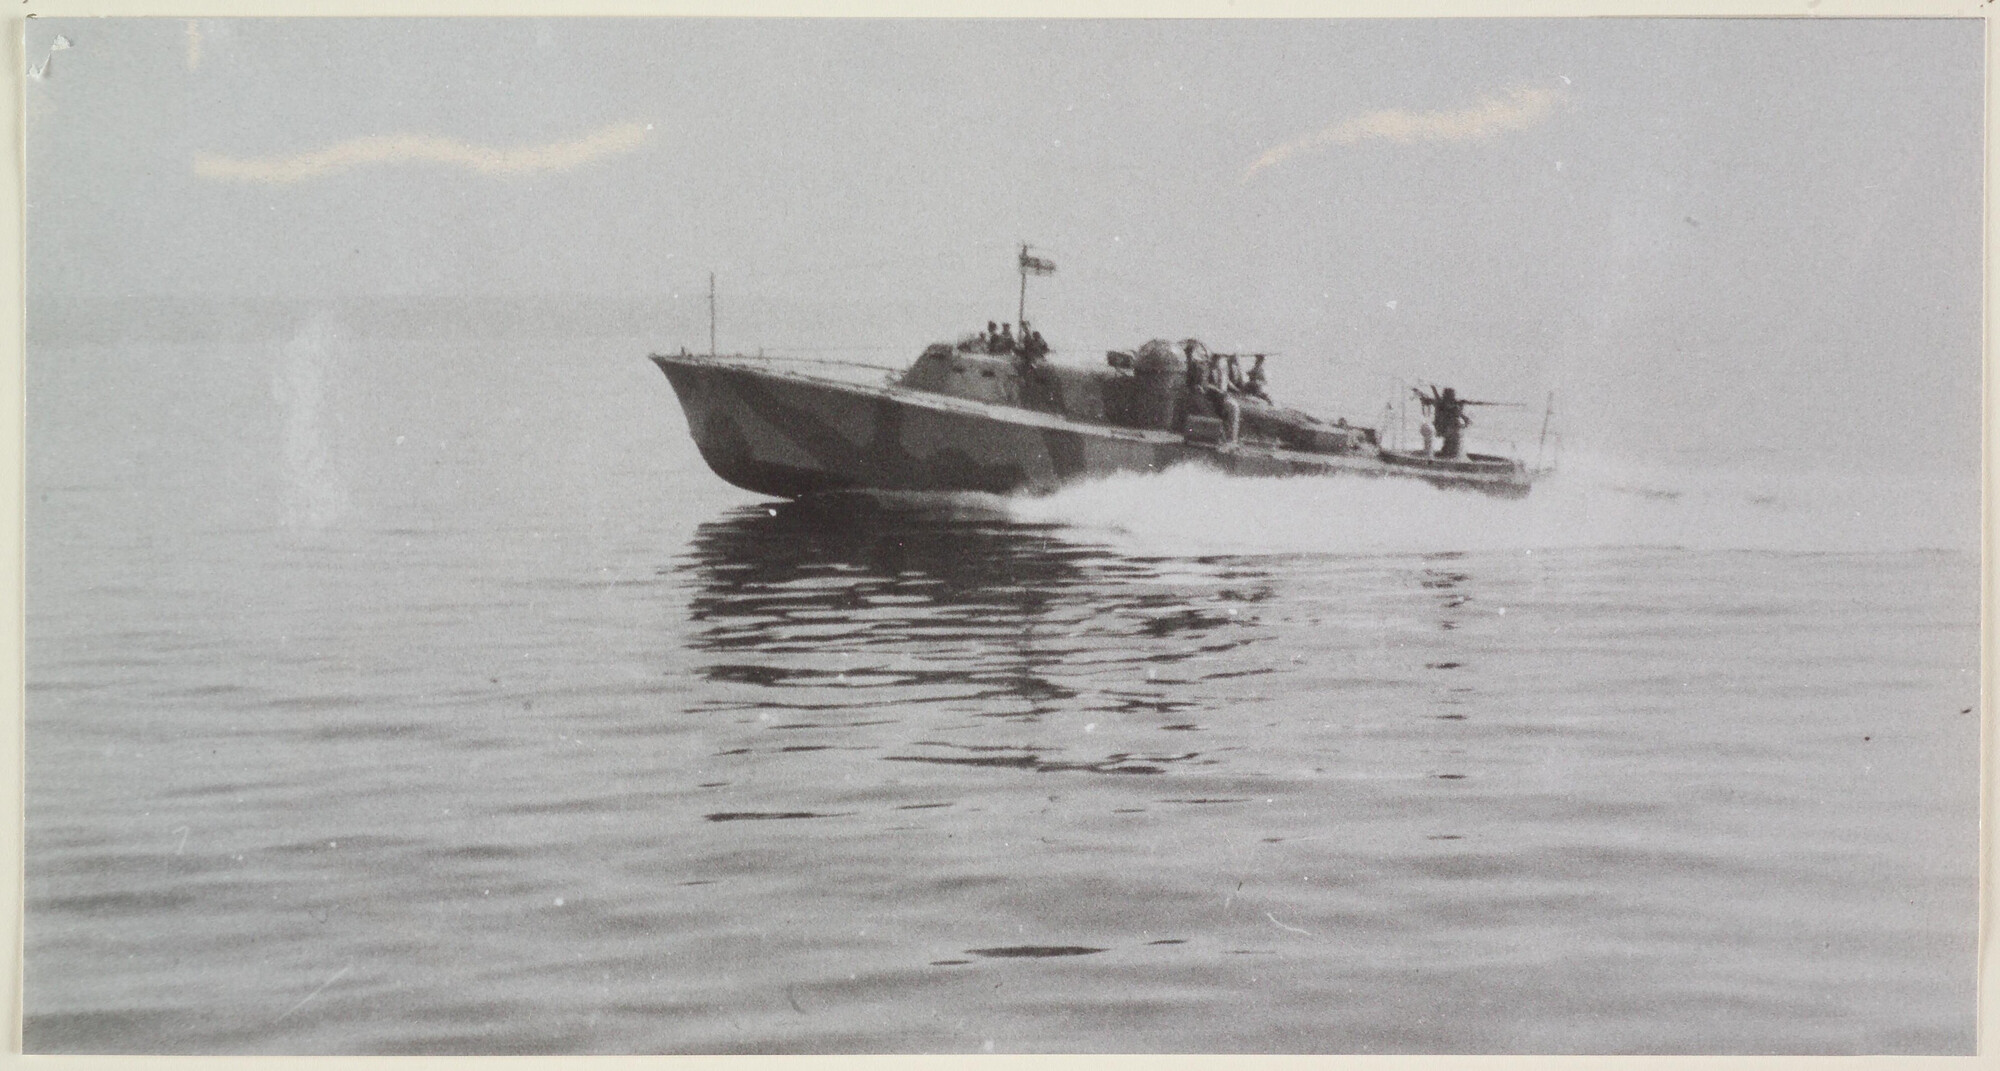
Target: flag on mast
1033	265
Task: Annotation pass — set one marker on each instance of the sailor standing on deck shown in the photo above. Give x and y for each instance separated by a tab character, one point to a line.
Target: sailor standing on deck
1216	385
1447	411
1189	401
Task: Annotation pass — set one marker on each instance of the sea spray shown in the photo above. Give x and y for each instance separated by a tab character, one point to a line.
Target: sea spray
312	493
1591	502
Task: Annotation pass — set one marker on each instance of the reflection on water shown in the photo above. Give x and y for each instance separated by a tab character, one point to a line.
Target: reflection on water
1443	575
857	611
1456	783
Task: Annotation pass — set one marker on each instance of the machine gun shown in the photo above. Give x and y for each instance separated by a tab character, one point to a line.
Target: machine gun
1436	396
1448	416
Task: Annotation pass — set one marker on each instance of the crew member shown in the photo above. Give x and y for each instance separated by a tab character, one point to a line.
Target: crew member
1448	414
1451	421
1254	385
1032	346
1004	342
1214	382
1215	386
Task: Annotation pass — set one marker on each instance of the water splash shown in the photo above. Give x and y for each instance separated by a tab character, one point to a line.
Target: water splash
312	495
1592	502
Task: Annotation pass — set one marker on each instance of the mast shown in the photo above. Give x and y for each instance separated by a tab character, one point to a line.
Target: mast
1546	414
1021	311
711	315
1030	265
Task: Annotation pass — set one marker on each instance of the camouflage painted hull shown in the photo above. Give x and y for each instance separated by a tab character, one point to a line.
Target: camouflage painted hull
783	433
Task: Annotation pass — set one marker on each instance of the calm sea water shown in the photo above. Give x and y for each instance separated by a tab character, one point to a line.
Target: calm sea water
413	697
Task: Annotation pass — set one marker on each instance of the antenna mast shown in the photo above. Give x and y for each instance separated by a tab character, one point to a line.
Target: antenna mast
711	315
1544	441
1021	311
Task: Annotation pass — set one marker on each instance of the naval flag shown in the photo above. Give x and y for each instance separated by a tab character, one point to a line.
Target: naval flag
1031	265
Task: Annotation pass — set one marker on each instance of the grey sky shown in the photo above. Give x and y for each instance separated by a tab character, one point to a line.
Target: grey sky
1727	239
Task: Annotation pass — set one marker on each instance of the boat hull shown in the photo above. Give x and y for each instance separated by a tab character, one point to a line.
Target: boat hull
791	435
